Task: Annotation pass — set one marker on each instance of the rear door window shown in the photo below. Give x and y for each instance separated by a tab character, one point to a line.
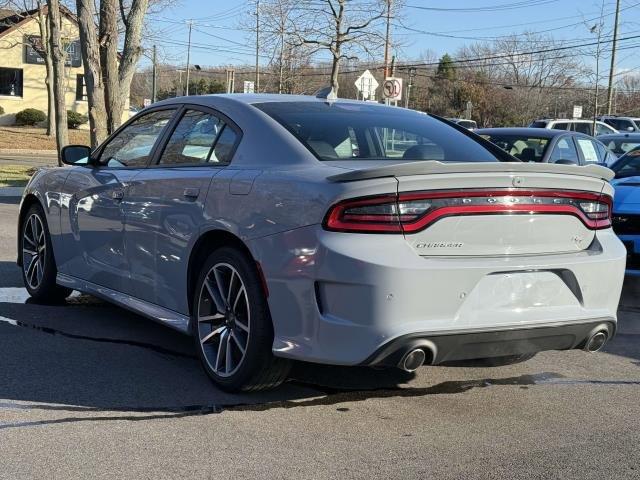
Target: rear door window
560	126
582	127
193	139
199	137
565	150
589	150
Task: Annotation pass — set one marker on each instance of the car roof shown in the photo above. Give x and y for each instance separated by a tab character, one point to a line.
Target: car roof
251	98
619	136
533	132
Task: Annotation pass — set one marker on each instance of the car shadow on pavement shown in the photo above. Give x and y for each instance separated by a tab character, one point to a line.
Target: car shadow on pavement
89	356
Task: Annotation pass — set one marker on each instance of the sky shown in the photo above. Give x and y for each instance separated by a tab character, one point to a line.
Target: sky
439	26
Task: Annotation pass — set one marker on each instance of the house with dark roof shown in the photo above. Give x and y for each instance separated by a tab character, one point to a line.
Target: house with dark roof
23	70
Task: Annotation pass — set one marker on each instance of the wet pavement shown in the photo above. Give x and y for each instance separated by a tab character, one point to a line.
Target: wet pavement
88	390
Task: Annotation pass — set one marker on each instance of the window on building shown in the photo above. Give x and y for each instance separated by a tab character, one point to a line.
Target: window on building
11	81
81	88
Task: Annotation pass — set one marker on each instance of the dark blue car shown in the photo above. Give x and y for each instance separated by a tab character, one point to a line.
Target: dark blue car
626	206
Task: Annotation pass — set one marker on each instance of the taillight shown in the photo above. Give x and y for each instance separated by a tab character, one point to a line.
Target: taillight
414	211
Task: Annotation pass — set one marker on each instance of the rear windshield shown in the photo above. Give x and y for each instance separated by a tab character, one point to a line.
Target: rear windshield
349	131
628	166
523	147
620	146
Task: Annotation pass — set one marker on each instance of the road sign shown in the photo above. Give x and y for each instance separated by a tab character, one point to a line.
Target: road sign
249	87
146	102
577	111
392	88
367	85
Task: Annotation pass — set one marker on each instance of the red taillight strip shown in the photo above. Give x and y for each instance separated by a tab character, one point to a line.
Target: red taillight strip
336	219
532	208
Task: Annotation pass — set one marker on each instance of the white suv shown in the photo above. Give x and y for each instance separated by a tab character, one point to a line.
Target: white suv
582	126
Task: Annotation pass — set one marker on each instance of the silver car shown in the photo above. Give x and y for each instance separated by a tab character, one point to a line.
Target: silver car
276	228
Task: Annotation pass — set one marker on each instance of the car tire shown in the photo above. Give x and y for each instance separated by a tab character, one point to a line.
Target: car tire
494	361
232	326
39	269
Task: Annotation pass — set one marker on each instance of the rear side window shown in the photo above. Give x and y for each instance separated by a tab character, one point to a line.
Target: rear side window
193	138
199	137
224	146
564	150
560	126
582	127
340	131
589	150
603	129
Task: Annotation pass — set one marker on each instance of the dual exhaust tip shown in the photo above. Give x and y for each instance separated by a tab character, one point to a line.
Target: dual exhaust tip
416	357
597	340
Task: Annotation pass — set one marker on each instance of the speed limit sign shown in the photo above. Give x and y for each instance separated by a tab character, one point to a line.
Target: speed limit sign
392	88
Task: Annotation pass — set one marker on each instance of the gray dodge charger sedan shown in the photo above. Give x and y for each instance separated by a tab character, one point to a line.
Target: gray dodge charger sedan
274	228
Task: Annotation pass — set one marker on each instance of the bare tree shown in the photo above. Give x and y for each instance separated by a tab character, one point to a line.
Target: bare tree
343	28
111	73
92	71
58	54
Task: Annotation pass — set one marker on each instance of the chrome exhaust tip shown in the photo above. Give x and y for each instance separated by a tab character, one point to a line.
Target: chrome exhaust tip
596	341
413	360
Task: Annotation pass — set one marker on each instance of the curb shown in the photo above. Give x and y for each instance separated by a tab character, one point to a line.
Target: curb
11	191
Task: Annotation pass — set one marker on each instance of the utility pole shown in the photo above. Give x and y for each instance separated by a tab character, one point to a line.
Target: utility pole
154	78
190	23
257	86
613	59
387	41
412	74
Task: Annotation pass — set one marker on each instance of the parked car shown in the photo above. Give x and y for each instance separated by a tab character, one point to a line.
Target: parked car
622	124
304	233
626	207
463	122
548	146
620	143
575	125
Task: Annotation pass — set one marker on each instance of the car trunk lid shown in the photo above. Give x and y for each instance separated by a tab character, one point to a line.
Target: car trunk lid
493	209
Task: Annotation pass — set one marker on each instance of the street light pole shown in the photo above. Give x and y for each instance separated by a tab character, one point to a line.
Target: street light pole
190	22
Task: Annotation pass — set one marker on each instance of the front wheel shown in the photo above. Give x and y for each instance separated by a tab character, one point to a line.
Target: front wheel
232	325
38	264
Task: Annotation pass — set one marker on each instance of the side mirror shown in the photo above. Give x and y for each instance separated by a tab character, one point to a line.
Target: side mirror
76	155
631	129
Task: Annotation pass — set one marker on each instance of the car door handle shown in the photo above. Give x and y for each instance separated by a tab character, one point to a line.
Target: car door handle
191	192
117	194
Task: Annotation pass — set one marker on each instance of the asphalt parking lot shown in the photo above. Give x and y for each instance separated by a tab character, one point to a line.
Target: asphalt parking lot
88	390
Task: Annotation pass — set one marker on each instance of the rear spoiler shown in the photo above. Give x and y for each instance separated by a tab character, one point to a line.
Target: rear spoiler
432	167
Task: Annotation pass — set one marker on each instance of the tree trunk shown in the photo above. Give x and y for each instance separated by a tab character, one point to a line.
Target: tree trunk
109	61
46	52
92	72
335	70
57	56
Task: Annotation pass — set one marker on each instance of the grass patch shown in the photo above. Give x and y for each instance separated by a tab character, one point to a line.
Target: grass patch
15	175
32	138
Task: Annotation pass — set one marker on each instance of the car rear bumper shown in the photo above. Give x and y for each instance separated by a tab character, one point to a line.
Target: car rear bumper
444	347
342	298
